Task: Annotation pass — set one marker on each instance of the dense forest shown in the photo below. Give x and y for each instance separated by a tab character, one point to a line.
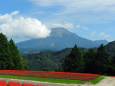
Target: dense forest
94	60
48	60
97	62
10	58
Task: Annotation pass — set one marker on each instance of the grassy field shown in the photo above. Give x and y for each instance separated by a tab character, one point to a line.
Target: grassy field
52	80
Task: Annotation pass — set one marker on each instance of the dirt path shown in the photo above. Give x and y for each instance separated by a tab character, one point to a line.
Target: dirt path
108	81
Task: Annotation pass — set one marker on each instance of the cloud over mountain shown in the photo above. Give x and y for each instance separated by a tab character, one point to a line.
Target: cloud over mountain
103	34
65	25
14	25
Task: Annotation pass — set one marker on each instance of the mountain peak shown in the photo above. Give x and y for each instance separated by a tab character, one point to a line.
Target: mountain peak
59	38
59	32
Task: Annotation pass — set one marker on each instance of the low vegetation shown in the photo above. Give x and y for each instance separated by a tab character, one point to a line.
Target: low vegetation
52	80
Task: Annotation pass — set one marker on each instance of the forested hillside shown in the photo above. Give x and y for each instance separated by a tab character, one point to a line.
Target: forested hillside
48	60
110	48
95	60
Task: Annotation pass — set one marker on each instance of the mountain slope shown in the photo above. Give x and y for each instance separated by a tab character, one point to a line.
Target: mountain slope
49	60
59	39
110	48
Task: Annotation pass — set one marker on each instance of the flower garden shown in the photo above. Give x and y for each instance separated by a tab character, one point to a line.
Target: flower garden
49	74
3	83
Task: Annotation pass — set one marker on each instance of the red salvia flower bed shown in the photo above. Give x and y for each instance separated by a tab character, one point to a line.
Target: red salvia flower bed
24	84
14	84
3	83
49	74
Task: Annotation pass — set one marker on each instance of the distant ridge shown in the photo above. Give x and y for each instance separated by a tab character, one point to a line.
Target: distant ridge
59	39
101	42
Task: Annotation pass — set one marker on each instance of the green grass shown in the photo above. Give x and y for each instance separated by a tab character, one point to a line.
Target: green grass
95	81
66	81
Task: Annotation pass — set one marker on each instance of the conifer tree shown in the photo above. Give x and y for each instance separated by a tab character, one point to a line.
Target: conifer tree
90	61
112	67
19	62
74	62
102	60
5	54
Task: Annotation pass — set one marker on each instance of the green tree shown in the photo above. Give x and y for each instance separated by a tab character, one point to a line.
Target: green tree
112	67
6	61
74	62
19	62
102	60
90	61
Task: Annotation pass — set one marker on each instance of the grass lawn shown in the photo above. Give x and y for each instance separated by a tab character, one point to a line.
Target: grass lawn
52	80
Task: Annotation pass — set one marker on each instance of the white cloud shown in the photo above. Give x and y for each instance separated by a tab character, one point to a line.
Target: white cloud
82	11
82	27
103	34
78	26
14	13
14	25
65	25
93	33
71	5
107	36
85	28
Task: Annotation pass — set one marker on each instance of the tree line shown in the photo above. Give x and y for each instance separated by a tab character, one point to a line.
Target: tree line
92	61
10	58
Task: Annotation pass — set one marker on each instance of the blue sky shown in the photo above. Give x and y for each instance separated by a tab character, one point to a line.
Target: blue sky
27	19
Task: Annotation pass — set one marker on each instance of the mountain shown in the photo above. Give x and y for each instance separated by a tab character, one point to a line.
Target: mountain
110	48
99	42
59	39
